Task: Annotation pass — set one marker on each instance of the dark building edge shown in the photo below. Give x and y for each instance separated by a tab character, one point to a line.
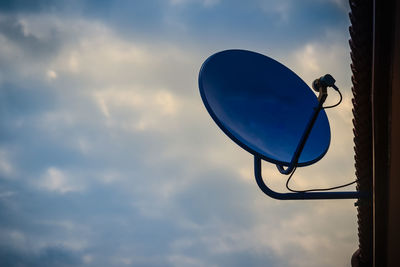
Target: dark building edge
385	75
376	92
361	55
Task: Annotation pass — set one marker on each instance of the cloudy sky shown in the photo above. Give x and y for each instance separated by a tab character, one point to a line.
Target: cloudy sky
109	158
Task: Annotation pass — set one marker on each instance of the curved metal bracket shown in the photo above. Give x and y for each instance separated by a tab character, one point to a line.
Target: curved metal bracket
302	195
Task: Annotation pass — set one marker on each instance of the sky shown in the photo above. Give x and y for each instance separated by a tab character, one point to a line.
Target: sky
108	156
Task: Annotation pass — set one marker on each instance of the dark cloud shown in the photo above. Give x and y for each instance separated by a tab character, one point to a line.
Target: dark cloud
289	23
18	101
25	5
21	120
31	46
48	257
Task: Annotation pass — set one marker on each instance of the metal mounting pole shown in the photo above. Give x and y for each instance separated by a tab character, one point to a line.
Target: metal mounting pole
321	99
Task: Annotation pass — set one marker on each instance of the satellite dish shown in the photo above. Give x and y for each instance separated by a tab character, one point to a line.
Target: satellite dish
269	111
263	106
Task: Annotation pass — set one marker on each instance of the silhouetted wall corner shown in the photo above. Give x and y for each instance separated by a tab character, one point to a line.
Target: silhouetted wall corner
379	235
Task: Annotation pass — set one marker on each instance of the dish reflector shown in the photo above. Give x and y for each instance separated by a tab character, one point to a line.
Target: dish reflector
263	106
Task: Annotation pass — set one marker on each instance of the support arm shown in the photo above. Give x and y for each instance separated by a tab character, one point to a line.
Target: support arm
302	195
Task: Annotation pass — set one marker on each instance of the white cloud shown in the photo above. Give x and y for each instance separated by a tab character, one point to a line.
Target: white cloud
51	75
183	260
16	238
87	258
308	60
315	59
205	3
6	168
281	8
6	194
149	109
342	4
57	181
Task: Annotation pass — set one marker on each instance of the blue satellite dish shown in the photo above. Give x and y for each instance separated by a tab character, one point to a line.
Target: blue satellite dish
263	106
269	111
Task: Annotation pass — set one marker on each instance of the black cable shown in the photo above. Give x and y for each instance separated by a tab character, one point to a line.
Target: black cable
340	101
314	189
319	189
